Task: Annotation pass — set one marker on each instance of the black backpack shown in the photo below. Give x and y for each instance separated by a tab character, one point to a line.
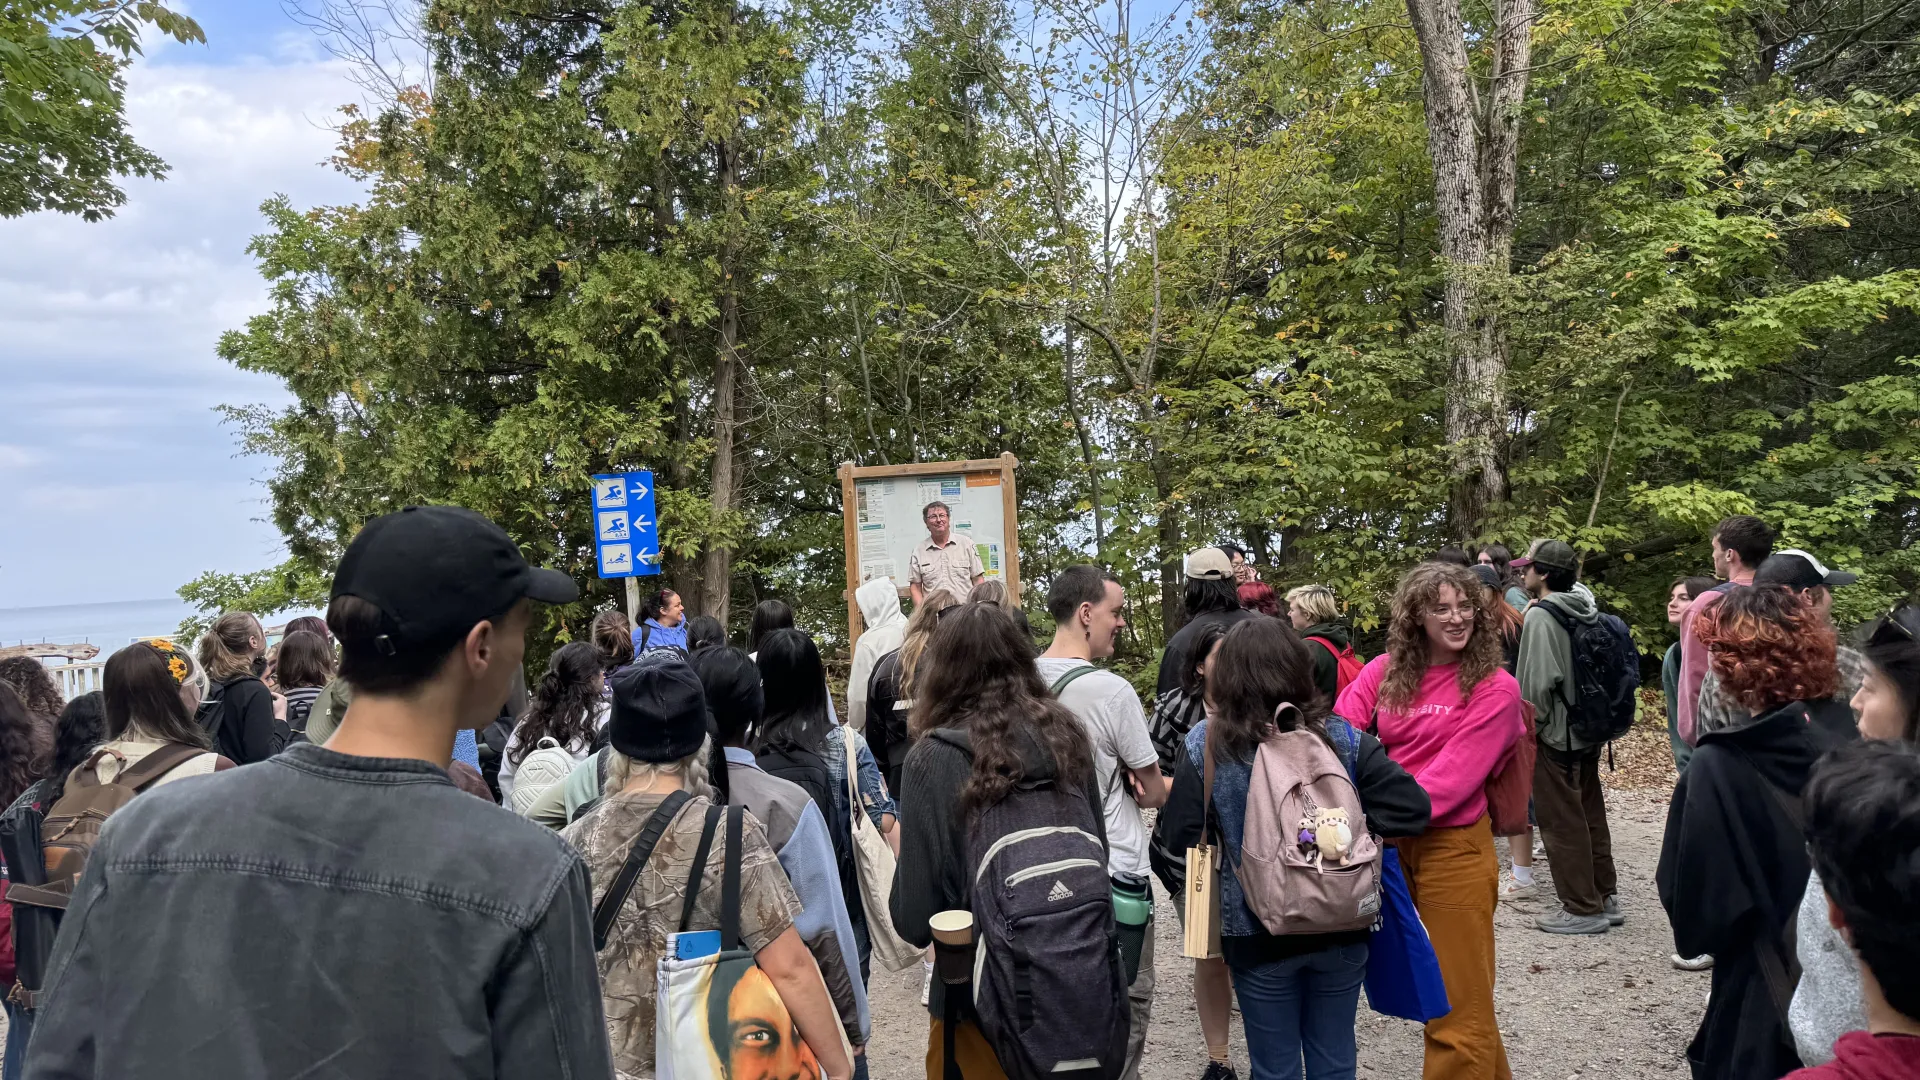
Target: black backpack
809	769
1606	676
1049	988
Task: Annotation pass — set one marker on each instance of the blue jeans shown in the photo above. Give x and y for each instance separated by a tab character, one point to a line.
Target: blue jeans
19	1026
1302	1008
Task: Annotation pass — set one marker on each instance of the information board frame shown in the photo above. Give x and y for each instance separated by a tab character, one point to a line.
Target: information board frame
1001	469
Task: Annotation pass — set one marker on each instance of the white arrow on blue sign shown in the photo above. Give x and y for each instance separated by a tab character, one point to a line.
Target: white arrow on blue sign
626	539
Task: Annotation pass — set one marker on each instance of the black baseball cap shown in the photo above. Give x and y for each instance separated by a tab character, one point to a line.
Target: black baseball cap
435	571
659	709
1797	569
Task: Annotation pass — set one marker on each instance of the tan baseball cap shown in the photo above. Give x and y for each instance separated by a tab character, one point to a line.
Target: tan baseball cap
1209	564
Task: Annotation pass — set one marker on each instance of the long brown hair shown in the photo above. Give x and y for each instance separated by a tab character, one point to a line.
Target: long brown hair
37	690
612	634
140	690
26	745
980	676
1407	633
920	628
226	649
1261	664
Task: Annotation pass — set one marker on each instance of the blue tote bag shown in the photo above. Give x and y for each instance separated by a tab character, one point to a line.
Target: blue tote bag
1403	975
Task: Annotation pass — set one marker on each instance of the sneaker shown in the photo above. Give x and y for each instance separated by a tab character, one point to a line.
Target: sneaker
1218	1070
1693	963
1610	907
1512	892
1561	921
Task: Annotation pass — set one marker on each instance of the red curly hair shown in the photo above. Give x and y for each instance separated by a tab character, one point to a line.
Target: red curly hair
1770	647
1259	596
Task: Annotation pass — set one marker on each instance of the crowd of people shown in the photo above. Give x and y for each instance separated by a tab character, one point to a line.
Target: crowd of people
374	847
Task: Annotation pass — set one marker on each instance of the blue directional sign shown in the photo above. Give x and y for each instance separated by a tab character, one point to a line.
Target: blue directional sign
626	535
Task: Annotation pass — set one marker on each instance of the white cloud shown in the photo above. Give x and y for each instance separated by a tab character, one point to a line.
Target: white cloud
107	335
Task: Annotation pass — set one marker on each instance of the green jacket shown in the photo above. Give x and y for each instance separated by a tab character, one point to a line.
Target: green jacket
1545	667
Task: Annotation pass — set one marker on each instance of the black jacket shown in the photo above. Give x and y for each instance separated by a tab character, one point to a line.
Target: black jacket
931	873
887	726
1326	669
1733	867
1173	659
248	731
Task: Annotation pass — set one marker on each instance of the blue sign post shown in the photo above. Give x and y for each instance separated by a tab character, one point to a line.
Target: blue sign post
626	535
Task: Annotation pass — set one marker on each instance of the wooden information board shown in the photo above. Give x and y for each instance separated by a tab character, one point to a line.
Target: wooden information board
883	525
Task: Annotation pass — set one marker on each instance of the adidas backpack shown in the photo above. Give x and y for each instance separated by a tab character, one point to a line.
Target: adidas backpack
1308	865
547	765
1601	703
1048	987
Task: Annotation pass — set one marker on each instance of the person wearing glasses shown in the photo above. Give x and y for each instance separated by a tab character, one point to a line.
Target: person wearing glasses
1447	713
1828	1002
1733	862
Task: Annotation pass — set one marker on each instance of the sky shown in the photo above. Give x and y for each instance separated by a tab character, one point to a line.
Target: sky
120	480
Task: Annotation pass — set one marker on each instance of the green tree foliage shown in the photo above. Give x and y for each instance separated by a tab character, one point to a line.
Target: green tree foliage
1188	271
63	136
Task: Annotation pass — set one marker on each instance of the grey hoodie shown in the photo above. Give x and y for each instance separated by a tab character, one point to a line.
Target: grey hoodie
1545	667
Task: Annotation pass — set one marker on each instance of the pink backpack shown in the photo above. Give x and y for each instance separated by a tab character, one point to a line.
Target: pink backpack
1308	865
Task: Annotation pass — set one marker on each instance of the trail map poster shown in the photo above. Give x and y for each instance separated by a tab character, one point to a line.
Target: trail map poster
884	524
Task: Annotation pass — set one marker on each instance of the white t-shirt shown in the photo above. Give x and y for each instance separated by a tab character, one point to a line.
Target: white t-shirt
1117	726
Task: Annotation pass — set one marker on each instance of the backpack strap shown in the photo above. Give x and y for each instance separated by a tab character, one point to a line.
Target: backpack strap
616	897
1067	679
646	632
157	764
730	880
698	867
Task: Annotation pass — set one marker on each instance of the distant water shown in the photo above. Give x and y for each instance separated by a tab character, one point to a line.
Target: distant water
106	625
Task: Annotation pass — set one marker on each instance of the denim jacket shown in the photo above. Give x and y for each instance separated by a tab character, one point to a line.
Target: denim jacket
320	915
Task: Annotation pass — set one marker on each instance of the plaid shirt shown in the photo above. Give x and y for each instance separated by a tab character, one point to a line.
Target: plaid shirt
1719	712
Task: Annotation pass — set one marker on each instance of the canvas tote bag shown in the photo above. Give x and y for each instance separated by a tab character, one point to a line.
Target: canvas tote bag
1203	874
873	861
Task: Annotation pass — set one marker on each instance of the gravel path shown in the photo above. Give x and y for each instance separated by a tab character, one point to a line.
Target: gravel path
1610	1006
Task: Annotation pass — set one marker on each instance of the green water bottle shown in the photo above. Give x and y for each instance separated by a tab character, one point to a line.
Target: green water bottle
1133	911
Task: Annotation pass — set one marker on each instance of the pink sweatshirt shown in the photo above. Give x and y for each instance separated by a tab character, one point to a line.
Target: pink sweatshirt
1448	745
1693	662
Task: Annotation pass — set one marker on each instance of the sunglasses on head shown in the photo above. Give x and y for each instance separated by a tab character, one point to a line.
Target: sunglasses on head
1900	624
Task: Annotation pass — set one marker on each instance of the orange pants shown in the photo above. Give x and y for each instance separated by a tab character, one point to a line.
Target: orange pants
1455	881
977	1060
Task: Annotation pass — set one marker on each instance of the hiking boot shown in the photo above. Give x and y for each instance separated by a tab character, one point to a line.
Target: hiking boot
1562	921
1693	963
1610	907
1218	1070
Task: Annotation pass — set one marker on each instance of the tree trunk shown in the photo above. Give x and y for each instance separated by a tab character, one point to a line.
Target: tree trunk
718	577
1471	195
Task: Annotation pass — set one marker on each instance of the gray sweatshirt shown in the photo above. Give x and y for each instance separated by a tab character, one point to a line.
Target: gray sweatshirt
1827	1004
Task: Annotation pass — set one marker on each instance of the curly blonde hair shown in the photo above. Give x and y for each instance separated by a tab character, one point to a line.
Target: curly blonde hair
1407	634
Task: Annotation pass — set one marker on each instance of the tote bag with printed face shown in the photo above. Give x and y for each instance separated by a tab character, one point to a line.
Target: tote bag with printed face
720	1018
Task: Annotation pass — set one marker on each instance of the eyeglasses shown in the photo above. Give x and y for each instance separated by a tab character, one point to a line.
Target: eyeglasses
1900	623
1448	614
